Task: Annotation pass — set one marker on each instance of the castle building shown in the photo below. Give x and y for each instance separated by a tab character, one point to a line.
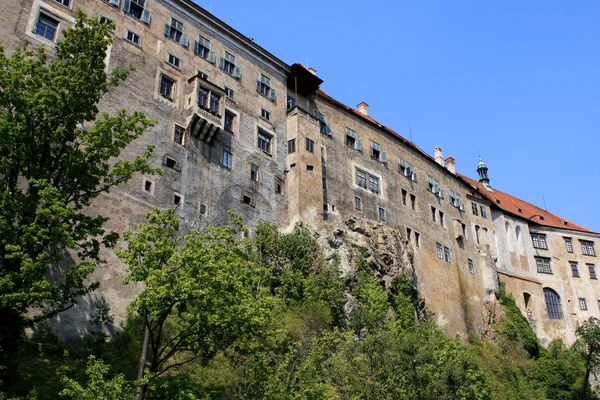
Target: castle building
237	128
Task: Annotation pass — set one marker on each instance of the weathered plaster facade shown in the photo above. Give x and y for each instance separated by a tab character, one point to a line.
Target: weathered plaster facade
275	147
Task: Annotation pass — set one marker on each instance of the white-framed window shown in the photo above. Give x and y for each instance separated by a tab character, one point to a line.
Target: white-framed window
228	63
137	9
173	60
440	251
148	186
227	159
174	31
587	248
46	26
263	86
434	187
456	201
65	3
202	49
446	254
582	304
133	38
179	134
376	153
230	93
569	245
543	265
265	114
539	241
177	200
405	168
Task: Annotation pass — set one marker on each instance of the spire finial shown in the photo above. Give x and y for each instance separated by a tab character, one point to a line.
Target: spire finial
482	170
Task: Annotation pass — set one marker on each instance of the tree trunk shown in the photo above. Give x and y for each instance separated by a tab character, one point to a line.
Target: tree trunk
141	389
585	383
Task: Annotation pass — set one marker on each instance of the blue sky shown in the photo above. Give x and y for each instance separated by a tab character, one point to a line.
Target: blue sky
518	81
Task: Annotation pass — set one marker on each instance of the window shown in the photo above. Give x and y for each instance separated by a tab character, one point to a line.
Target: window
323	127
176	199
105	20
202	49
553	304
310	168
173	60
66	3
133	37
209	100
408	234
227	159
310	145
587	248
229	121
474	208
46	27
471	266
147	186
575	269
230	93
291	102
543	265
174	31
202	209
483	211
404	194
413	202
254	172
592	270
381	214
405	168
582	304
417	236
291	146
456	201
202	75
264	141
357	203
228	64
352	141
440	251
265	114
376	153
442	223
171	163
178	134
215	102
539	241
361	178
248	200
446	254
433	214
135	8
167	86
374	184
279	185
263	86
434	187
569	245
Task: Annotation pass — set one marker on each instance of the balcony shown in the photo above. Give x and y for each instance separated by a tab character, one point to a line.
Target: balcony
205	101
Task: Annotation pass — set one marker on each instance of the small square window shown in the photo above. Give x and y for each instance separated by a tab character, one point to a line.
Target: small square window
248	200
202	75
178	134
133	37
381	214
227	159
230	93
291	146
46	27
171	163
173	60
167	87
265	114
176	200
66	3
310	168
254	172
582	303
310	145
357	203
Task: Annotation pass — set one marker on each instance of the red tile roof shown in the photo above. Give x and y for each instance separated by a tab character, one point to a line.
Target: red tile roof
523	209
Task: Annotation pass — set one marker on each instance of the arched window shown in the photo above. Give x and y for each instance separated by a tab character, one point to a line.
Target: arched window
508	241
553	304
520	247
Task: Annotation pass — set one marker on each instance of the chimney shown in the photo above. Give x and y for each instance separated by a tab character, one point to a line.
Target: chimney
437	155
363	108
312	71
451	164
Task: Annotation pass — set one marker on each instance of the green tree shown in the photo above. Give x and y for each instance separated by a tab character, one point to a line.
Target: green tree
201	291
589	337
99	385
58	154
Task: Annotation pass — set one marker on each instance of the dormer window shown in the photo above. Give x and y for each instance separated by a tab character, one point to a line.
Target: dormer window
405	168
263	86
376	153
136	8
456	201
228	64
